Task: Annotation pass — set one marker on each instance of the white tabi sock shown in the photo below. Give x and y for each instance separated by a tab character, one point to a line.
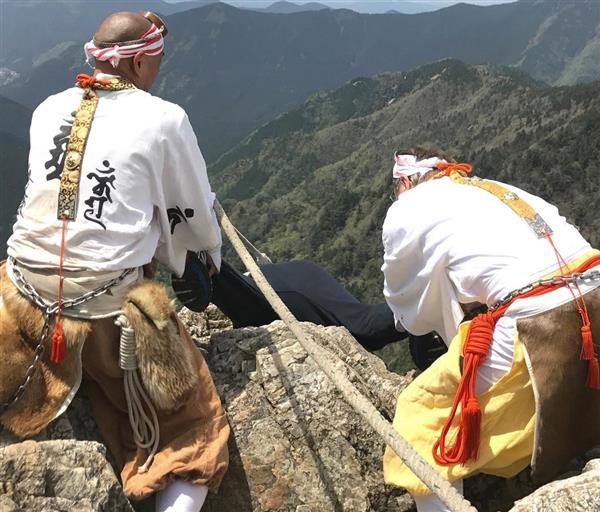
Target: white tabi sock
181	496
431	503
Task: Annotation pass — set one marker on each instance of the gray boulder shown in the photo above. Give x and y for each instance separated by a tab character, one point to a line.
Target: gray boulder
576	494
58	476
298	445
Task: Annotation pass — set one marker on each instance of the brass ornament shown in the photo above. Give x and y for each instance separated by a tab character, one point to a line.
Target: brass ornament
510	199
71	172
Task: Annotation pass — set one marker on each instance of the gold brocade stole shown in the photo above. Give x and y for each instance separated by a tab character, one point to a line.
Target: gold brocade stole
71	172
533	219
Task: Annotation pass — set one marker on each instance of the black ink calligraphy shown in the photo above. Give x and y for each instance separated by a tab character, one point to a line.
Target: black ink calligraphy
57	155
176	216
101	193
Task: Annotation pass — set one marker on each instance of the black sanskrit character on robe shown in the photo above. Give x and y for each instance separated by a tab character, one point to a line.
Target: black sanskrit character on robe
57	154
176	216
101	193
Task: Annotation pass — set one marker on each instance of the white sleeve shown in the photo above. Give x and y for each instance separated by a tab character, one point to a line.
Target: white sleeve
188	197
416	283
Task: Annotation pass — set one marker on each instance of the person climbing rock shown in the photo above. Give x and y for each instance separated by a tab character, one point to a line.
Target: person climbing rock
520	383
116	178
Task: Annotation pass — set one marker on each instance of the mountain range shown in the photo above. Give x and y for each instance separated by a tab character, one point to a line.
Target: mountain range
30	28
315	183
234	70
284	7
368	6
14	146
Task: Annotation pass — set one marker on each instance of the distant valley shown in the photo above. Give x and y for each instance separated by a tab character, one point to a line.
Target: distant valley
236	71
315	183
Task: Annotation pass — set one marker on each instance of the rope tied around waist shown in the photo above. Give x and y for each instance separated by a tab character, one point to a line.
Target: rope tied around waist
475	350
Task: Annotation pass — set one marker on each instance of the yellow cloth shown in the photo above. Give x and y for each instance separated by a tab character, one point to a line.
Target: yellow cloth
507	424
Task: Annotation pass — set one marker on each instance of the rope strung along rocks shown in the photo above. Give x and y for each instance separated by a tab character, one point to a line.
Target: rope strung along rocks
430	477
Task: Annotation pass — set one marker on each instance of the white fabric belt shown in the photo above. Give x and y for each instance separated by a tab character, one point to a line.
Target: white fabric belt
75	284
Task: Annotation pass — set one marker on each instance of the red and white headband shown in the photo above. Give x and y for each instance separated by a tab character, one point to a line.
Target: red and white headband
150	42
407	165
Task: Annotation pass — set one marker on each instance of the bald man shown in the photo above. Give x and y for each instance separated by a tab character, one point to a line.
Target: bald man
116	179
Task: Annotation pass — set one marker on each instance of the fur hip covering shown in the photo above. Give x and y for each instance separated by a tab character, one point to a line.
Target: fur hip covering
166	362
567	421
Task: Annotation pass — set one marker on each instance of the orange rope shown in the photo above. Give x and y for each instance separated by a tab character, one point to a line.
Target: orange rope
58	336
587	341
449	167
476	347
86	81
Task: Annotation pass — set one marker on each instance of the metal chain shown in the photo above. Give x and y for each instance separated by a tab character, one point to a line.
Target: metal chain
589	276
37	355
49	310
52	308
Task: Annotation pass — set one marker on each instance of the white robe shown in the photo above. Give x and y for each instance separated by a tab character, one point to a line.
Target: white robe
447	243
144	190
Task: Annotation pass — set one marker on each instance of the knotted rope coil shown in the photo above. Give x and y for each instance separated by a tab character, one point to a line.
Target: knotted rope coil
146	430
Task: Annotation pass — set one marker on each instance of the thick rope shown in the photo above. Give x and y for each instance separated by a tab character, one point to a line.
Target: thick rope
146	430
419	466
261	257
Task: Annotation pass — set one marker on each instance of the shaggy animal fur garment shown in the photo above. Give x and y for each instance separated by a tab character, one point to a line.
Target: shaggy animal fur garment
21	324
165	363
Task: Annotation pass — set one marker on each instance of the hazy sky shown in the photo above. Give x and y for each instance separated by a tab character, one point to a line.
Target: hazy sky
373	5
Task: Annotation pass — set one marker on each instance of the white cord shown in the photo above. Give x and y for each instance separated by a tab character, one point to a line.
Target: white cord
146	430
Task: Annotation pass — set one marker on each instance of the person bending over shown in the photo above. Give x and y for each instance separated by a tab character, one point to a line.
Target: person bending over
520	383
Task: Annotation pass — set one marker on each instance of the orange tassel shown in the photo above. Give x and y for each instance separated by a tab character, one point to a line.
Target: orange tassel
471	424
587	343
57	353
593	376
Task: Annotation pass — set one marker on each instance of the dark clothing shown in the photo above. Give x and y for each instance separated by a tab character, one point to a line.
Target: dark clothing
311	294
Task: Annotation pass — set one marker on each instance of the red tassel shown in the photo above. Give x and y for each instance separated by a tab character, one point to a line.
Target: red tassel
587	343
57	353
471	426
593	376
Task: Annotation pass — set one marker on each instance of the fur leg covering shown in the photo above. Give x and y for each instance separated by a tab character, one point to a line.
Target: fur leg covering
165	361
21	324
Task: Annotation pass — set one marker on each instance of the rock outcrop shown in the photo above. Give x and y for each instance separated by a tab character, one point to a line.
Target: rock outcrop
60	475
297	446
576	494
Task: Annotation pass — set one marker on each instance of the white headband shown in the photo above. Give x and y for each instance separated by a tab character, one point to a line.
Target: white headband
407	165
150	42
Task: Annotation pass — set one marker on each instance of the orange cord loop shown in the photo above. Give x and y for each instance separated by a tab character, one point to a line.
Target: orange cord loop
58	350
449	167
86	81
476	347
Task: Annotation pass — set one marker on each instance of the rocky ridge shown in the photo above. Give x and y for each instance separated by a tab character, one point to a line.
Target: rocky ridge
296	445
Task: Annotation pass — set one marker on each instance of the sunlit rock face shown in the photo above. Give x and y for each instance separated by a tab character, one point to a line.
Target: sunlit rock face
296	445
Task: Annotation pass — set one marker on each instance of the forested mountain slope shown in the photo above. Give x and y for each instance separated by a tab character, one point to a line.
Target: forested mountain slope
315	183
234	70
